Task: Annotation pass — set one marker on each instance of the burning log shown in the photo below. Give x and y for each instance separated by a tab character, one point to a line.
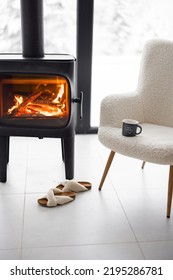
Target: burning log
44	109
18	111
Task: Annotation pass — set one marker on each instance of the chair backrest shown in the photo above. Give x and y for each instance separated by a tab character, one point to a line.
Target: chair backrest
155	82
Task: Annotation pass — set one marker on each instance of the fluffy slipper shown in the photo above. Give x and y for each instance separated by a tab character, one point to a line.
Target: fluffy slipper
74	186
56	197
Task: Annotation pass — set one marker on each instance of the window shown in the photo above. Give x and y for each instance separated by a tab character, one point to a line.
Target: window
59	26
121	28
10	27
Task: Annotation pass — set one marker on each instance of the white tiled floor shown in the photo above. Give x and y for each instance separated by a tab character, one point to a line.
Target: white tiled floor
126	220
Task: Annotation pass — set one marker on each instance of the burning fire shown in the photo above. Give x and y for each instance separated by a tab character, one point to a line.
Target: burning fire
46	100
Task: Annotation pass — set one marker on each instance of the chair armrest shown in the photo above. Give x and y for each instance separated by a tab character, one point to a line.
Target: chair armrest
116	107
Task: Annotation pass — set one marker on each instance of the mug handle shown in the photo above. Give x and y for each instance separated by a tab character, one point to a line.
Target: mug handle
140	130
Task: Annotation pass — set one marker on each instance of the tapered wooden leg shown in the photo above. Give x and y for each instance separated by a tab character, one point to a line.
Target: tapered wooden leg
143	164
108	164
170	191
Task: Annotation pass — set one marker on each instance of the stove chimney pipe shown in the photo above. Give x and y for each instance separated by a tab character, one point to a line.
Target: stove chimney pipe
32	28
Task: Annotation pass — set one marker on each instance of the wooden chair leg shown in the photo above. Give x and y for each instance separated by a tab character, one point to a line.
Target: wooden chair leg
143	164
170	191
108	164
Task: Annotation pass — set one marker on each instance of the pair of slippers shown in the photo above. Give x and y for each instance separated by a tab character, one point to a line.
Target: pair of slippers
64	193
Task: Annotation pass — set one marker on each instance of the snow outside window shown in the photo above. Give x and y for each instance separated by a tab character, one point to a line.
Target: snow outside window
121	28
59	26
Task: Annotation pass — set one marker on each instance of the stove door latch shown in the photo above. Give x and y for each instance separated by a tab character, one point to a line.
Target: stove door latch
79	100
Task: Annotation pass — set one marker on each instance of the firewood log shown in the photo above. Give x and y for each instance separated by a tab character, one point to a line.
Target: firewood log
37	92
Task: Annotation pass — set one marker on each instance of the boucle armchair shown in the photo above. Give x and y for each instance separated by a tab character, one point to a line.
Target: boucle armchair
152	105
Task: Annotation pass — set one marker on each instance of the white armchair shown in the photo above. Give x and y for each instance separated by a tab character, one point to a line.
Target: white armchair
152	105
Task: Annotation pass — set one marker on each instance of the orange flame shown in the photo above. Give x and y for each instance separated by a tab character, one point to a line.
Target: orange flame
47	99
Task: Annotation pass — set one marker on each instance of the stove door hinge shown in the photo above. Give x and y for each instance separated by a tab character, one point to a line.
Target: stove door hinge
79	100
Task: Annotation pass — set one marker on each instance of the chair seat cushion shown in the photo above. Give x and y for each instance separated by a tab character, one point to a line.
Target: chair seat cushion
154	144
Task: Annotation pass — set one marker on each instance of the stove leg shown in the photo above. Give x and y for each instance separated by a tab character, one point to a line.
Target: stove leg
4	156
69	157
8	147
62	149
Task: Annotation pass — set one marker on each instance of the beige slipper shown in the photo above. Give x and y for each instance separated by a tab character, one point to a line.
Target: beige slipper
56	197
74	186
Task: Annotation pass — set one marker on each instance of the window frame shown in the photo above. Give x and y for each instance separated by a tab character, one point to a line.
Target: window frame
85	14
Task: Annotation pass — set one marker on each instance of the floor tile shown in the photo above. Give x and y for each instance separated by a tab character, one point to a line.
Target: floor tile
91	169
127	251
11	221
146	212
93	218
16	178
86	145
16	168
18	149
45	149
126	173
10	254
43	175
158	250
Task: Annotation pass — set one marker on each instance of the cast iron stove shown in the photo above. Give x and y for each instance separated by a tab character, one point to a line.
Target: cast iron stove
37	92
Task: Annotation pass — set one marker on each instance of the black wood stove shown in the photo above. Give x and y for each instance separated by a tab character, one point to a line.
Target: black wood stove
37	92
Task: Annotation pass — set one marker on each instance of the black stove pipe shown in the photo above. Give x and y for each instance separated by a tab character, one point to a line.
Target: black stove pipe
32	28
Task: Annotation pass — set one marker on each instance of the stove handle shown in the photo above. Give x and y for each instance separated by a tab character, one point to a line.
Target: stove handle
79	100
